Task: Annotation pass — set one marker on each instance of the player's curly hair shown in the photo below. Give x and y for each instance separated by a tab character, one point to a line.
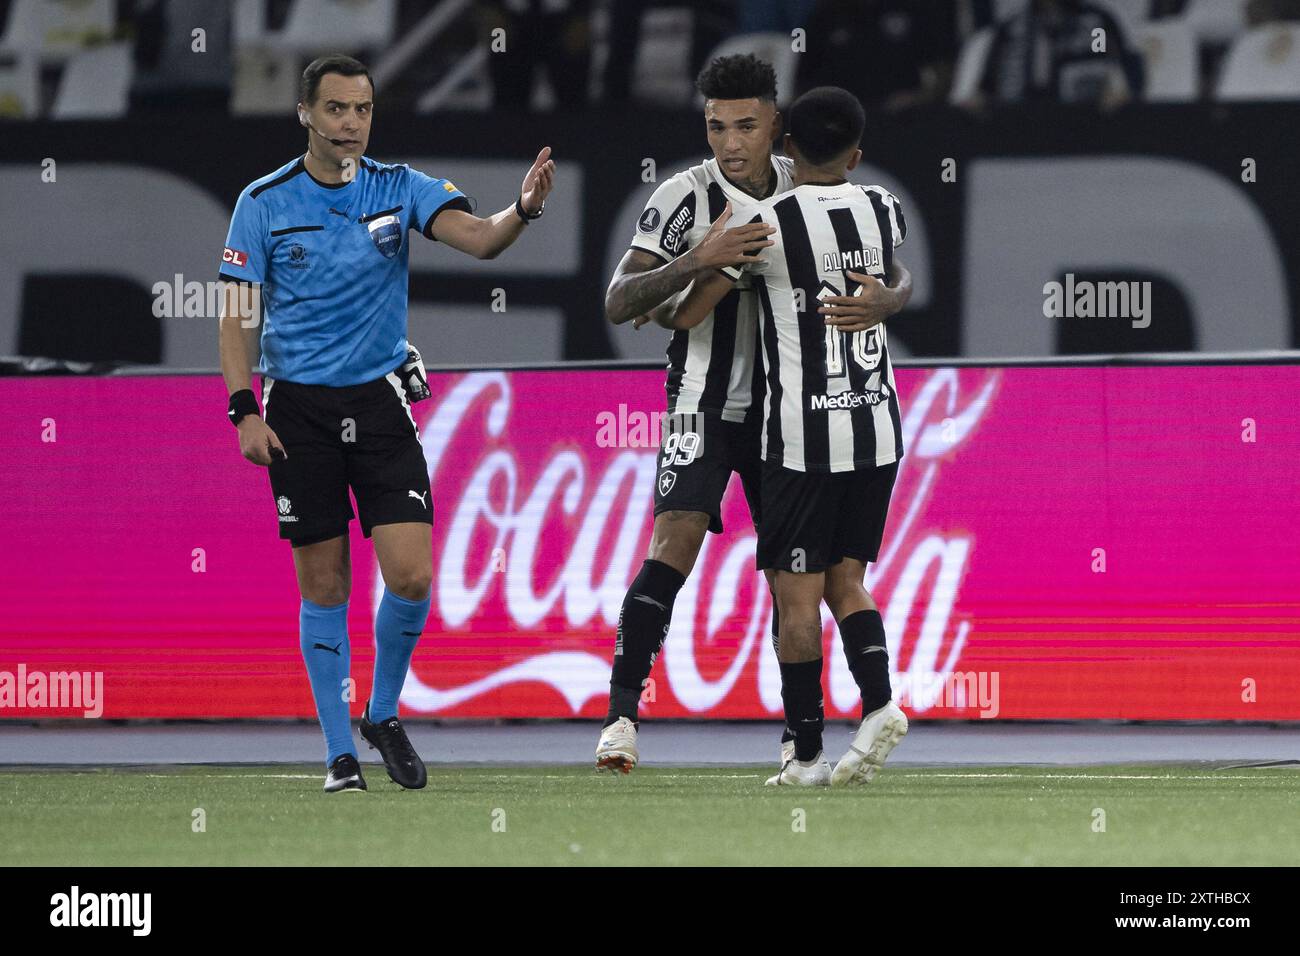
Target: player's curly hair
741	76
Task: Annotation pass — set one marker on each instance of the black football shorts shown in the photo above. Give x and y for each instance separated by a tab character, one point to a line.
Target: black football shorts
361	437
697	453
813	520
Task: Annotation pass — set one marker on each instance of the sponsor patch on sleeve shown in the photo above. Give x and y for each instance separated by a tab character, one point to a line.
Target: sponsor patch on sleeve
673	240
234	256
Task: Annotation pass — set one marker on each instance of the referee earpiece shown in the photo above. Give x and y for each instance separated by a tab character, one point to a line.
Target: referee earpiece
302	118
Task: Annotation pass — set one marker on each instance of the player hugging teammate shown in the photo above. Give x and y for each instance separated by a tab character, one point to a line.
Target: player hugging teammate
817	490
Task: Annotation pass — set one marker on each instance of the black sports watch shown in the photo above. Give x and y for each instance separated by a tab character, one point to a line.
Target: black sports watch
527	217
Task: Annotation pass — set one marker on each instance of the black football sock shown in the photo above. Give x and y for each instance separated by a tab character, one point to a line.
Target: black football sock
801	692
642	625
623	702
863	634
786	735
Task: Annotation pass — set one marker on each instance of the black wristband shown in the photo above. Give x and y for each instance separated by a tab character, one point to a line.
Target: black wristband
242	403
526	217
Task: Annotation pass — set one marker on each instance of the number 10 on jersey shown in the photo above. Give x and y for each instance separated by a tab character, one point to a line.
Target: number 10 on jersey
864	346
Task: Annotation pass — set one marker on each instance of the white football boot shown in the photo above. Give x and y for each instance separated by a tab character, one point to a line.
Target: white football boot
795	773
879	734
617	747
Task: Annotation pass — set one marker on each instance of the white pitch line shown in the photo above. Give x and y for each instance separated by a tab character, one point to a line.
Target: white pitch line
495	776
747	776
595	775
236	776
1080	776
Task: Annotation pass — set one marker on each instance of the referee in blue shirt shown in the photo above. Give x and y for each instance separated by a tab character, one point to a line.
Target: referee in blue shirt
323	240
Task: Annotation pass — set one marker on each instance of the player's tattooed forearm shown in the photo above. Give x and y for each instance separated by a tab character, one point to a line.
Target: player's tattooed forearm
634	294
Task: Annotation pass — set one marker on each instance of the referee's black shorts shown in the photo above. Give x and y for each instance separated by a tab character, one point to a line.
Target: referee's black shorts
358	436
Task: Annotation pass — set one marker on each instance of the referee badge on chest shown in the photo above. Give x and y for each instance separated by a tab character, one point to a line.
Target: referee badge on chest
386	234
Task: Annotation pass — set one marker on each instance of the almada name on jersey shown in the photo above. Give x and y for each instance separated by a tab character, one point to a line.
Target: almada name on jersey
859	260
831	404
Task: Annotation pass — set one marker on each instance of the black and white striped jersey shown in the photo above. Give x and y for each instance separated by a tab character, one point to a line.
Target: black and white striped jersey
712	367
830	404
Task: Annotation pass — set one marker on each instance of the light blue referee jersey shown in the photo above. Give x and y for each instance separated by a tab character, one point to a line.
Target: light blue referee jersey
332	261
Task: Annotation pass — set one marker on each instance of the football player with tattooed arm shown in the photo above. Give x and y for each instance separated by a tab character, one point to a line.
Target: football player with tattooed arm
325	239
714	385
832	437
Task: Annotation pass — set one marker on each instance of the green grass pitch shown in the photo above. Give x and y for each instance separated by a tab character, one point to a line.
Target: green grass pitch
1153	815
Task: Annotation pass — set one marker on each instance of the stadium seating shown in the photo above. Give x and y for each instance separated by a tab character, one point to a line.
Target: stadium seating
249	24
19	86
56	29
1263	64
1169	51
95	84
1131	14
264	83
267	62
970	65
324	26
1216	21
660	73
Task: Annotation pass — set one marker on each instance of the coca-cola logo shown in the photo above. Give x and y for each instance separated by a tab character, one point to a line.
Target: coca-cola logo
549	532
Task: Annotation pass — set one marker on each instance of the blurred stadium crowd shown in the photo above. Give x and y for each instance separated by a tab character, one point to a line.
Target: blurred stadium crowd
1032	140
112	58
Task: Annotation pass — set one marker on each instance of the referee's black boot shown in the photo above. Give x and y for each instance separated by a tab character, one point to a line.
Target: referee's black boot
344	774
400	759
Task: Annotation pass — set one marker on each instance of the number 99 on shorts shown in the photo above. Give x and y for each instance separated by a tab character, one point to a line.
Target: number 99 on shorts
683	440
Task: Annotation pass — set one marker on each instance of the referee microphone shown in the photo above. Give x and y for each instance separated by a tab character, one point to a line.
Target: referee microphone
302	118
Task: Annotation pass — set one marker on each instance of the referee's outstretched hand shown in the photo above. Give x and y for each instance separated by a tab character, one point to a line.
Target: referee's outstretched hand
538	182
258	443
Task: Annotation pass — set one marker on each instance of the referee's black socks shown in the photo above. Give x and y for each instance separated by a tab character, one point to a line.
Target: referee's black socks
863	634
642	626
